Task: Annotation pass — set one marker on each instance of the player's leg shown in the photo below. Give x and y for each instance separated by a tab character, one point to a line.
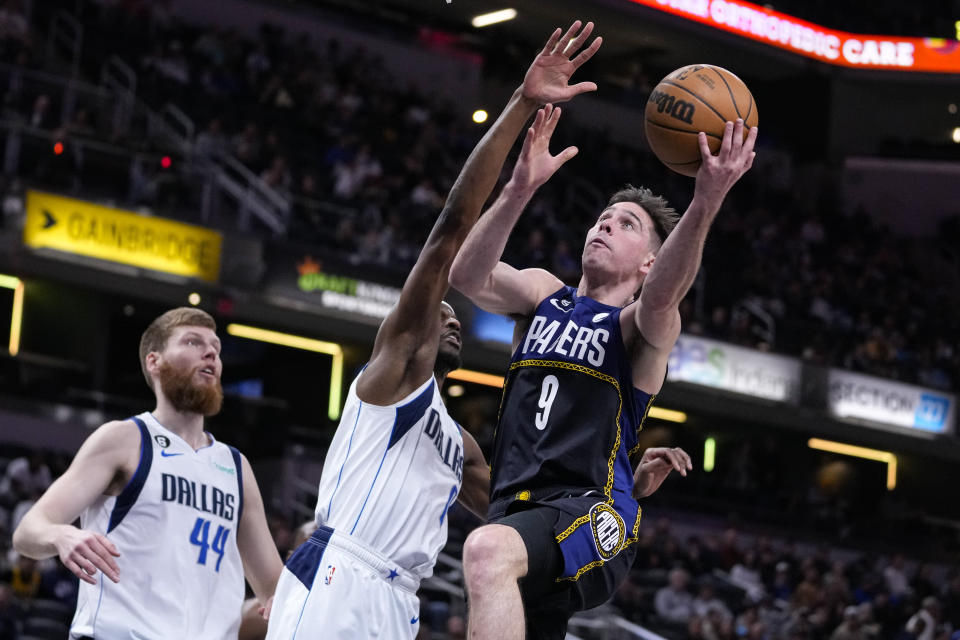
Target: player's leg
519	547
494	558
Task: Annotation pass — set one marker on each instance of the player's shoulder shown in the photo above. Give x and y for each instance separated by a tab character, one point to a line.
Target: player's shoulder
115	441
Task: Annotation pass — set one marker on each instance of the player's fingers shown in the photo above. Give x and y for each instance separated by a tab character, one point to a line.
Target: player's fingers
587	53
104	560
551	122
567	37
580	87
677	462
751	139
105	541
704	147
737	141
552	41
685	458
85	565
727	143
77	571
577	42
567	154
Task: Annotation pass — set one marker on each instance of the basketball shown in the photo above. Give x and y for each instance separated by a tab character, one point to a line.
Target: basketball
698	97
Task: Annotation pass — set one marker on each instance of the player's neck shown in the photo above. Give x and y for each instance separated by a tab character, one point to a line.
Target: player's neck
188	426
607	291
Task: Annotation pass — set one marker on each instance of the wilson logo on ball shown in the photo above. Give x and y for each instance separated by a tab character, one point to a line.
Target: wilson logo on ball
679	109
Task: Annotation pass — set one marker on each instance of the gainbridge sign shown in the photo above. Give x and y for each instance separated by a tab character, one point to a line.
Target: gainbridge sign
938	55
85	229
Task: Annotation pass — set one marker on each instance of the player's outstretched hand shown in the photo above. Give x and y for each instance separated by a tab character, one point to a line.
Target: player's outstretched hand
547	78
83	552
535	164
718	173
656	465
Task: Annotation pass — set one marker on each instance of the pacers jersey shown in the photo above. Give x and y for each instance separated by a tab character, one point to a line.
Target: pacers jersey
175	525
391	474
569	415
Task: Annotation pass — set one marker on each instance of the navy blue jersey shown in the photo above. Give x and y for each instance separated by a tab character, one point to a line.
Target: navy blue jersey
569	415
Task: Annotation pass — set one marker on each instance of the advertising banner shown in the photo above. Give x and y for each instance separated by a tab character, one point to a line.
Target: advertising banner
85	229
940	55
731	368
861	397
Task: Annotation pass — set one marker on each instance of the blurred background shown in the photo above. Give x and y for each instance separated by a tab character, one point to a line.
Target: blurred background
278	163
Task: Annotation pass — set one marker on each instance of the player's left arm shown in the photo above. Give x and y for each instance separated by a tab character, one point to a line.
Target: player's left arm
475	490
261	560
655	313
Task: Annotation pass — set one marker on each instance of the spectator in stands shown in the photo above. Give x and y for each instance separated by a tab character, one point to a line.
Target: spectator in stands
24	578
24	477
707	601
896	578
673	603
923	625
850	628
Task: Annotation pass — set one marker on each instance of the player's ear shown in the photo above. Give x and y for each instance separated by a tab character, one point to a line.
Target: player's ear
647	264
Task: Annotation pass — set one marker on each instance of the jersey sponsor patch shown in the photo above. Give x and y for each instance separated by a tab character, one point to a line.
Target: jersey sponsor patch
608	530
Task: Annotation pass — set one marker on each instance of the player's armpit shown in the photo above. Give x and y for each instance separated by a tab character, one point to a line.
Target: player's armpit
475	490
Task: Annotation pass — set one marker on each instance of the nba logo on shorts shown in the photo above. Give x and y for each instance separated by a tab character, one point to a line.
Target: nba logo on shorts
608	530
330	570
931	412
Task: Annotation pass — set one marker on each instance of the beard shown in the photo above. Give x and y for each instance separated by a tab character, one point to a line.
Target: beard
186	395
447	361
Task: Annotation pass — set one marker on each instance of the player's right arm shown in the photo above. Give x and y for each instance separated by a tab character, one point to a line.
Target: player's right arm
104	463
477	271
405	348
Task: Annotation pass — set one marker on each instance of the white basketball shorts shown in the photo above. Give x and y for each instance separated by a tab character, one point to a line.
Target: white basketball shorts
334	587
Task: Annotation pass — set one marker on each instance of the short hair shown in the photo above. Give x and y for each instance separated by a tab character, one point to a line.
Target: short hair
664	217
156	335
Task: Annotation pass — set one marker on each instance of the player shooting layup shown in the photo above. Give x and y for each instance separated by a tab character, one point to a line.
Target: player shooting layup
397	460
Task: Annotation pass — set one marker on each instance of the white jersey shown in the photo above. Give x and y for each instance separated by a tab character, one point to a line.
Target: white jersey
175	525
391	474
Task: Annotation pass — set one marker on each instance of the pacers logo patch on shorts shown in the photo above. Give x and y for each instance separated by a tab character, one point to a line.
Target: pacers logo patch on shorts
608	529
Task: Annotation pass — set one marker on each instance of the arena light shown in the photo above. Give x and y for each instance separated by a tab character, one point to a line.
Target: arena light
16	314
456	390
667	414
487	19
709	454
957	25
480	116
860	452
956	135
194	298
307	344
476	377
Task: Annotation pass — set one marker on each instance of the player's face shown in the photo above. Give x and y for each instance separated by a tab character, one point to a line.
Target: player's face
188	370
450	342
620	241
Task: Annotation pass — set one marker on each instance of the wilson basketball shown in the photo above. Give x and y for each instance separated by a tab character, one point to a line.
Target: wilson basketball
698	97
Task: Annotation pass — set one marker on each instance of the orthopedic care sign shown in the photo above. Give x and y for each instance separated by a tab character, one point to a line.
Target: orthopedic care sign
861	397
81	228
724	366
813	41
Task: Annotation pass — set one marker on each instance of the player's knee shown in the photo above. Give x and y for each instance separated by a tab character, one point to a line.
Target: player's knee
491	554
